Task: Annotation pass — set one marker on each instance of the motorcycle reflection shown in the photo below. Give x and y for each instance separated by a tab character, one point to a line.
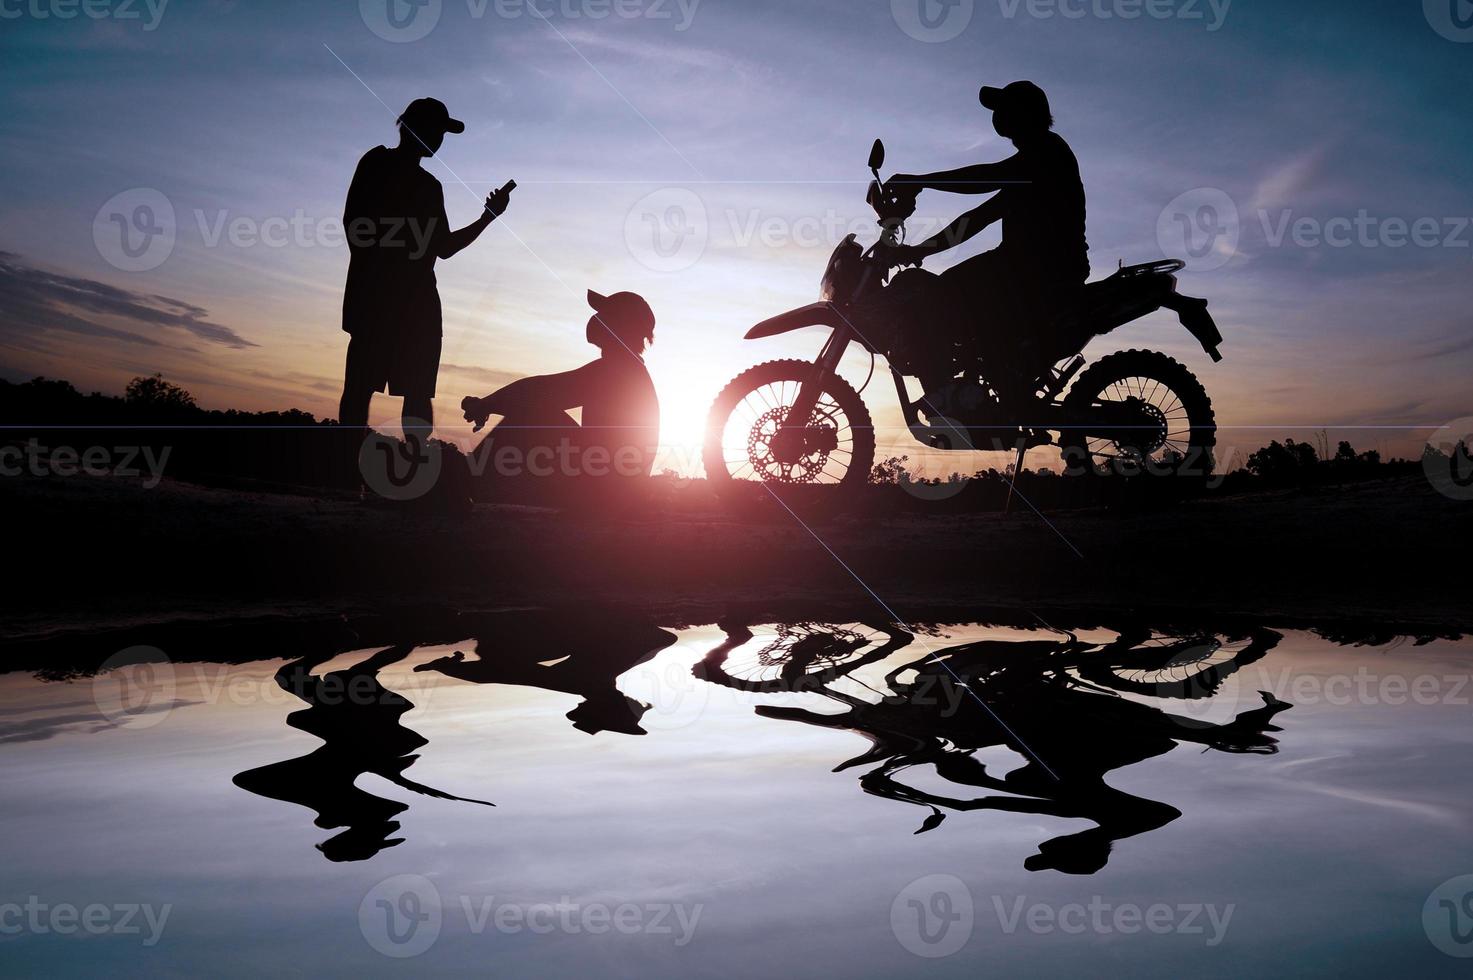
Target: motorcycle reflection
1058	704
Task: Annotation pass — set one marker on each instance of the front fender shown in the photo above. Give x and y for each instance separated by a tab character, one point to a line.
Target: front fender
812	315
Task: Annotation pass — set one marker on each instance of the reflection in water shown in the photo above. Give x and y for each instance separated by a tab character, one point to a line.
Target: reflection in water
733	809
581	655
1073	711
357	719
1056	703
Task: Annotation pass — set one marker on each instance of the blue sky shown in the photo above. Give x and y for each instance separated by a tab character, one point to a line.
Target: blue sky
743	127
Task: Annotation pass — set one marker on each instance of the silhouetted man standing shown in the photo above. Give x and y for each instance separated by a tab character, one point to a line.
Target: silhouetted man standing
396	228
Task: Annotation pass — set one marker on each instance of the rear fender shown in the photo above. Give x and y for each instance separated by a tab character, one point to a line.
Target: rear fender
1199	323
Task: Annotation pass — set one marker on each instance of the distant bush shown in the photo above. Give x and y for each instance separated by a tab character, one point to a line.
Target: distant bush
294	448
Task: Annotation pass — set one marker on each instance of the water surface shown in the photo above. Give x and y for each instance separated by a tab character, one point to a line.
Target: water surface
573	796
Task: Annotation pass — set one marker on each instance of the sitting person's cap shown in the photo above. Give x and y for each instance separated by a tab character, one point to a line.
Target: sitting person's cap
627	315
430	115
1016	95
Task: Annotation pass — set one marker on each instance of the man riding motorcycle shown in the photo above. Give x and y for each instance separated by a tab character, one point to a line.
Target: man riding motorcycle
1043	257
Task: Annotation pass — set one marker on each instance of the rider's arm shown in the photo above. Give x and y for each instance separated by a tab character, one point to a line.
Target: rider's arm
964	227
980	178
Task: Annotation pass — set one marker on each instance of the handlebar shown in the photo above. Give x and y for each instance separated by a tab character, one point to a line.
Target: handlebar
892	203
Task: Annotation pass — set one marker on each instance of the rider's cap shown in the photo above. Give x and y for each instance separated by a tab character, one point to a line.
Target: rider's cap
430	116
1023	96
626	315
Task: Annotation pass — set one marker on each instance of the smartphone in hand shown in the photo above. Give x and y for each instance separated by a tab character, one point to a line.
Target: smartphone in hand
498	200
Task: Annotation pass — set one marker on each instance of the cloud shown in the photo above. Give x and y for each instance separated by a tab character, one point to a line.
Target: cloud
491	378
1289	181
33	299
1441	349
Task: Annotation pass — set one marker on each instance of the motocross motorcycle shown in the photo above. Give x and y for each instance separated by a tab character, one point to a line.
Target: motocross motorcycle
789	423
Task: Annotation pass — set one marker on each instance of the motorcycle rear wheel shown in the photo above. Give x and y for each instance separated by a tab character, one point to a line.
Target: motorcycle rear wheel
1182	444
738	452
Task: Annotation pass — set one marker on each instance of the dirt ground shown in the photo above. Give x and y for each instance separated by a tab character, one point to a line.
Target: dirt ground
94	554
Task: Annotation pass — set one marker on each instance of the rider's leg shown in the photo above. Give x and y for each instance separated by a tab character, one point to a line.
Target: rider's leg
993	295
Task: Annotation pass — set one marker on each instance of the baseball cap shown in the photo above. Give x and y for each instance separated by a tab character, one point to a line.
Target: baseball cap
430	115
626	314
1023	96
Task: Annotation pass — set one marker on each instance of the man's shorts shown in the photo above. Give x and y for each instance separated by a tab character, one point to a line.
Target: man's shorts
406	363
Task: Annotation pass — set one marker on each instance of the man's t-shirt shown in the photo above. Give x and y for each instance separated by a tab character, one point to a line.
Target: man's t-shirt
395	223
1040	200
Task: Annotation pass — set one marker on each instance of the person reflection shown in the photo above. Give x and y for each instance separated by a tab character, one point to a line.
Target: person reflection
357	719
578	654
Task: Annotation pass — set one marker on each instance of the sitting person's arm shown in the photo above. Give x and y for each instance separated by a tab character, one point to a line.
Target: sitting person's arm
559	392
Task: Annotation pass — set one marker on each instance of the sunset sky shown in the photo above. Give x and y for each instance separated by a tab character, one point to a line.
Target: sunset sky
709	154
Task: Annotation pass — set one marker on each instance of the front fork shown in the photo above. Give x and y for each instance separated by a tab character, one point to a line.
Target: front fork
826	366
793	439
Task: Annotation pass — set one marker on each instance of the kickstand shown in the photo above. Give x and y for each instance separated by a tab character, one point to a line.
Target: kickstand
1017	468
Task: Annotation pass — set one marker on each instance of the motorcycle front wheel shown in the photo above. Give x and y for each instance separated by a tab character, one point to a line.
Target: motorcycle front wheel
753	450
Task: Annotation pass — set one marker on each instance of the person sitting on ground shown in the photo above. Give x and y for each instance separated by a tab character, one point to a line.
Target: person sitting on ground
620	427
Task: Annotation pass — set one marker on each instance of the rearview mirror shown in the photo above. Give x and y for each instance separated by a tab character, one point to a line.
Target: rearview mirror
877	155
